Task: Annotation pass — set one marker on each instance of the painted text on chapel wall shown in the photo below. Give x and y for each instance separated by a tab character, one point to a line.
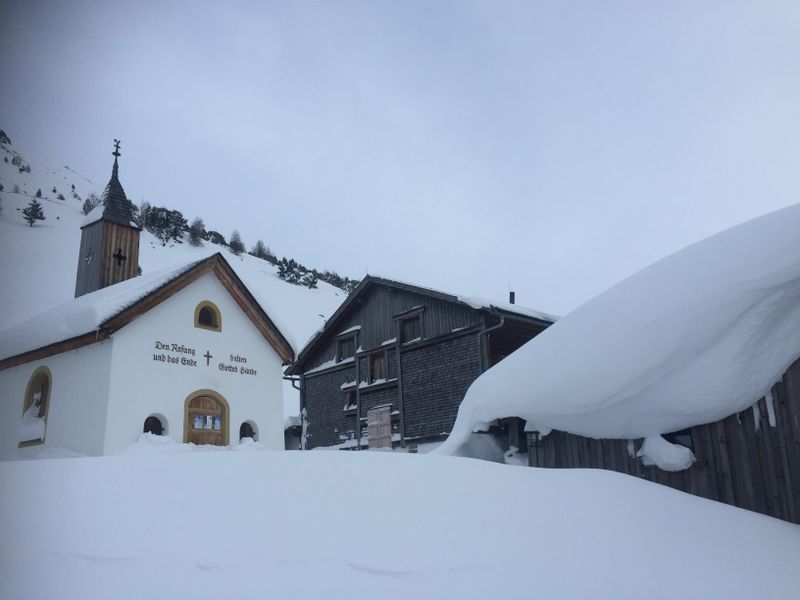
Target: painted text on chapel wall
181	355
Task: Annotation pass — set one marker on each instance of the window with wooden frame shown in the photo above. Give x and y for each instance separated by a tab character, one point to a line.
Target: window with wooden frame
35	407
350	400
411	328
207	316
345	347
377	367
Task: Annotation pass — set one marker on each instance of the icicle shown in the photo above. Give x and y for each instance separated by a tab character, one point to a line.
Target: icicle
757	415
631	449
770	409
304	434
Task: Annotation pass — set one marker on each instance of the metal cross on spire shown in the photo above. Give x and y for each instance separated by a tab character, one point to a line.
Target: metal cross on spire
116	148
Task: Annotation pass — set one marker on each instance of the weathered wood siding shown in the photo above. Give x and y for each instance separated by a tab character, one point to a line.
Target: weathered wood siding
126	239
100	241
422	381
375	317
742	461
89	259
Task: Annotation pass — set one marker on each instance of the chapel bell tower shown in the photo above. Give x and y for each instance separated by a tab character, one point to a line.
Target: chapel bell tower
109	239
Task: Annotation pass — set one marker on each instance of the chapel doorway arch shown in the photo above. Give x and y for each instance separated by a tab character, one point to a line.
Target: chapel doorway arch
206	418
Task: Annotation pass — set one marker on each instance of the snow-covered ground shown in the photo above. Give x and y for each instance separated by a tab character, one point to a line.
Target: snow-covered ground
168	520
697	336
162	521
38	264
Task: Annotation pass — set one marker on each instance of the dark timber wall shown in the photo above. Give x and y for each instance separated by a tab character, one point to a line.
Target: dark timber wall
753	464
375	318
97	267
435	379
328	422
423	380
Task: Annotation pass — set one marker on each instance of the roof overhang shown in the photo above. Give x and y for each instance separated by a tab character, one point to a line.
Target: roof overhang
215	264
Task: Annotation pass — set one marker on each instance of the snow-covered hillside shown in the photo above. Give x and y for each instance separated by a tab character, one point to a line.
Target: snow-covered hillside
163	521
39	263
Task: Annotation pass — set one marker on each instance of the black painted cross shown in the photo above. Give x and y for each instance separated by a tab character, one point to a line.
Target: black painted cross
116	148
119	256
208	357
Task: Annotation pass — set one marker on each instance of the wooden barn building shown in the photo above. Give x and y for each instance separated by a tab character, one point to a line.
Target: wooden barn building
392	364
750	459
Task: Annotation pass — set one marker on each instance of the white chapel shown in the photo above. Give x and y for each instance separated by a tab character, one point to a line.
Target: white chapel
186	352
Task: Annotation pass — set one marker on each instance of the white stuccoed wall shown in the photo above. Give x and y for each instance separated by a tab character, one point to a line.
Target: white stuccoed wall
77	412
141	386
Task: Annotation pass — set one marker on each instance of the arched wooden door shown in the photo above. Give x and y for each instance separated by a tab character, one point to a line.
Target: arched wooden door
206	420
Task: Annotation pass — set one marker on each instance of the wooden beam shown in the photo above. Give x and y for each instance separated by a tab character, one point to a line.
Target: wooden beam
53	349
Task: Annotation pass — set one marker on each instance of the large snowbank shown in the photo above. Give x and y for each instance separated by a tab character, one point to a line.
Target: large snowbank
691	339
169	522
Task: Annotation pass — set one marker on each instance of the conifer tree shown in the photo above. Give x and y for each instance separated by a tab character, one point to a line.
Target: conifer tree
90	203
33	212
215	237
197	232
39	193
236	243
260	250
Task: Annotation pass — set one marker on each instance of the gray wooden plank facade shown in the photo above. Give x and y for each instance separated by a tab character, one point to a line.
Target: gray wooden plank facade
750	459
423	380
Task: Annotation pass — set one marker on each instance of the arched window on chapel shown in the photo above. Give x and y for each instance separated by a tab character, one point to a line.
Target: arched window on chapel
34	408
153	424
248	430
207	316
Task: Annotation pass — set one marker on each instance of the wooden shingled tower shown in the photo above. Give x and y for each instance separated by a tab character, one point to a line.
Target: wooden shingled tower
109	239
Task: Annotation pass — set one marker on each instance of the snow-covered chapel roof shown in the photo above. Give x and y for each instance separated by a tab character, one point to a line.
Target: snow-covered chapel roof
693	338
95	316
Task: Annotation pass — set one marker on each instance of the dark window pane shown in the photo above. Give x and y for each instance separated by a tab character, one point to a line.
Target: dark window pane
153	425
347	348
410	329
246	431
682	438
207	317
377	366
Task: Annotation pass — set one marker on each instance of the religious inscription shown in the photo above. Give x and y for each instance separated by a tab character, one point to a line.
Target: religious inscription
182	355
174	354
241	369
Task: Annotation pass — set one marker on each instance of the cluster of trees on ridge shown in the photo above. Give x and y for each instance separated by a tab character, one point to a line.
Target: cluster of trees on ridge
170	226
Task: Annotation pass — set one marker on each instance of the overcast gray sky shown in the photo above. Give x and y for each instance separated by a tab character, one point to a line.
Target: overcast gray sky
555	146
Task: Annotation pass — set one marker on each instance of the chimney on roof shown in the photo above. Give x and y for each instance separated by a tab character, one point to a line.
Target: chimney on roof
512	296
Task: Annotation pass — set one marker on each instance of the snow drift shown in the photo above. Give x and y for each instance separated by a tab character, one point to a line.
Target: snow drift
691	339
168	520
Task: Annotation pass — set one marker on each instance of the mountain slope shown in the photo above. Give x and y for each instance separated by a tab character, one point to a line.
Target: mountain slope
39	263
